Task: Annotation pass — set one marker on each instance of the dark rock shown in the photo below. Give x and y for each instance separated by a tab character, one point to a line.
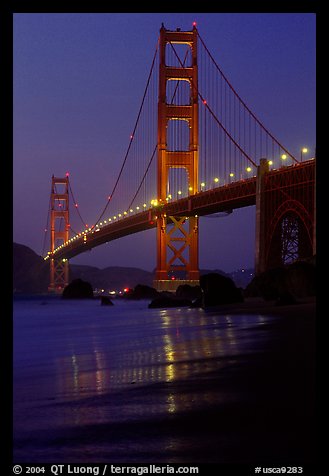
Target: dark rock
197	302
106	301
78	289
296	279
301	278
165	300
141	291
218	289
285	299
268	285
188	292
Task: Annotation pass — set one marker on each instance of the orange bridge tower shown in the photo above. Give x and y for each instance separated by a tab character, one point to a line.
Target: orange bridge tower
177	235
59	232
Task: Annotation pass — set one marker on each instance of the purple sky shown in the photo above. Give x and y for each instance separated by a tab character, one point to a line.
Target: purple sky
78	84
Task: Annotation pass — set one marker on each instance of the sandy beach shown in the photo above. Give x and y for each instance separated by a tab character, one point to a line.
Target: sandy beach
231	385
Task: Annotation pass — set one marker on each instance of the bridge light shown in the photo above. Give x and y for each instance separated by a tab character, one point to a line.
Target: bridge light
101	223
114	218
179	192
270	162
144	205
231	174
216	179
110	219
67	174
283	156
119	215
304	150
125	213
248	169
202	184
194	23
137	208
131	210
204	102
76	205
190	189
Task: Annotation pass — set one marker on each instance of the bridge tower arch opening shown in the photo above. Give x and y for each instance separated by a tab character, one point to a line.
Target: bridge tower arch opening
285	215
291	235
177	236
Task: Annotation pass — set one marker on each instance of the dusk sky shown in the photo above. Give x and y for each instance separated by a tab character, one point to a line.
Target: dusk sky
78	84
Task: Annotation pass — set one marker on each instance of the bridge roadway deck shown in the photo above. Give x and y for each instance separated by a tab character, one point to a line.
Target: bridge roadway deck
239	194
227	197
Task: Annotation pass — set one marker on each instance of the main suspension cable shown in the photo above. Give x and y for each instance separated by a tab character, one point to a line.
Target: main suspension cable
131	138
243	103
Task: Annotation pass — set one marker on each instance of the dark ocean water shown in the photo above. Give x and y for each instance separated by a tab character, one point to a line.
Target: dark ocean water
130	384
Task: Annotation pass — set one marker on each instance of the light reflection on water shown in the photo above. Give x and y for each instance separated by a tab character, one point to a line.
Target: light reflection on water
122	364
185	347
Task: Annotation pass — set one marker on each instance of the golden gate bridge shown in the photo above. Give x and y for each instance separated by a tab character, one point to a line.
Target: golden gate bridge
196	149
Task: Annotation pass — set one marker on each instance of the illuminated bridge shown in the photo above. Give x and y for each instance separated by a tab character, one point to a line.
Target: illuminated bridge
196	149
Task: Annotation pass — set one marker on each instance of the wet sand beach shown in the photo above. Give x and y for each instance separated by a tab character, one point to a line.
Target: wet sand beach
230	385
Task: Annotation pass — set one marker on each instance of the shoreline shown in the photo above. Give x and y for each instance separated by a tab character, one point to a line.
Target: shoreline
303	307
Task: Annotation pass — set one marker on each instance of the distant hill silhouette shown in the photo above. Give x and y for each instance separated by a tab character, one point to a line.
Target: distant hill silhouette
30	271
31	274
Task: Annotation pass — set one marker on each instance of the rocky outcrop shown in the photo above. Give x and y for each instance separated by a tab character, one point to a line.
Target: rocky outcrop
165	300
141	291
186	291
78	289
218	289
296	280
106	301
